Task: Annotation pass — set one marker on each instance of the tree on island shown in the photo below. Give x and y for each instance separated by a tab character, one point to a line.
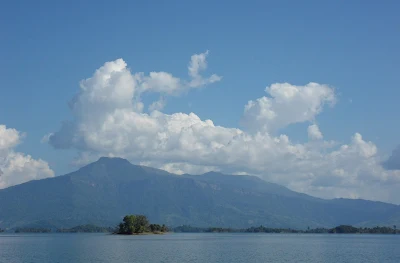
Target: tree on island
138	224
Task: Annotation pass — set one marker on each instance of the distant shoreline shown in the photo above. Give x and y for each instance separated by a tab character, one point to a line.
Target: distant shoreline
343	229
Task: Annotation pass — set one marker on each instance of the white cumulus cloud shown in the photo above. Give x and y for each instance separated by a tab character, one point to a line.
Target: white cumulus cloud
108	121
157	105
9	138
197	64
287	104
314	133
166	83
16	167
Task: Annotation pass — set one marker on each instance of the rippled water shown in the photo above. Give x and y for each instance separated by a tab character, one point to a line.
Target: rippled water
90	248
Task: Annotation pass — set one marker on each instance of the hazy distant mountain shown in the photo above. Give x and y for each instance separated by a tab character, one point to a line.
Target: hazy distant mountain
103	192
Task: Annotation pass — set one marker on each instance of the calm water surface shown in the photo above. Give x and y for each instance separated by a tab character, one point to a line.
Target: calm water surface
226	248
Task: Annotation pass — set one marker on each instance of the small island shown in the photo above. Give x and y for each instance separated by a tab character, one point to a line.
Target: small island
139	224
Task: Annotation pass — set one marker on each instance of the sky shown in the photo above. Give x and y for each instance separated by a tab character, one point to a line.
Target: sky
300	93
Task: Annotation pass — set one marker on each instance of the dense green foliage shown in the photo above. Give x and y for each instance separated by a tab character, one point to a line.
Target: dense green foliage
86	229
260	229
32	230
343	229
138	224
189	229
317	231
158	228
103	192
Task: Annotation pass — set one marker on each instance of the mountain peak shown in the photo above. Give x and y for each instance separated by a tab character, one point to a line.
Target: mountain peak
112	160
212	173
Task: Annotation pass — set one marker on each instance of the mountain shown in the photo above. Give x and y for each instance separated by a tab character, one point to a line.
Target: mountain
102	192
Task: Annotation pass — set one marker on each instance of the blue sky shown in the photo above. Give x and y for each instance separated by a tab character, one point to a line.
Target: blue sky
48	47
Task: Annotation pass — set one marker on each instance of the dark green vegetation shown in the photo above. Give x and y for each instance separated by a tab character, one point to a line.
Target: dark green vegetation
1	230
343	229
32	230
76	229
103	192
139	224
86	229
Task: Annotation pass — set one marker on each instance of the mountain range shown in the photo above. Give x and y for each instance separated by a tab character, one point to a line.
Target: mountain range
103	192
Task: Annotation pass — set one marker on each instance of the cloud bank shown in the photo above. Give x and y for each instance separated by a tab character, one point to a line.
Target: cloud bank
109	120
16	167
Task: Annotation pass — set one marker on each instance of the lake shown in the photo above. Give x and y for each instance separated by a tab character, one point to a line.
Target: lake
88	248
